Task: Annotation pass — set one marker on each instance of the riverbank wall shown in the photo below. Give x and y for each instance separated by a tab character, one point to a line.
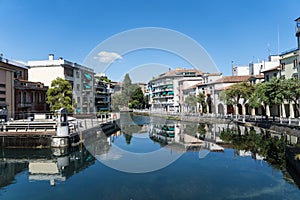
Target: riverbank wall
12	137
212	118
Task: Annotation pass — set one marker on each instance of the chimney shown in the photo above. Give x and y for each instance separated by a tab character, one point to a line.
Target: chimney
51	56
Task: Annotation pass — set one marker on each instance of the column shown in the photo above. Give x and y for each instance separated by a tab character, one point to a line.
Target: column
253	111
292	114
243	110
283	114
268	110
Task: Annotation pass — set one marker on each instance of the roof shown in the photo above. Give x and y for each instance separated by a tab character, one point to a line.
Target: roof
233	79
271	69
179	72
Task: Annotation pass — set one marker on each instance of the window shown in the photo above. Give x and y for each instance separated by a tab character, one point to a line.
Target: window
19	97
32	97
78	87
24	97
275	74
267	77
2	85
295	62
296	77
2	99
68	72
282	66
78	99
2	92
77	74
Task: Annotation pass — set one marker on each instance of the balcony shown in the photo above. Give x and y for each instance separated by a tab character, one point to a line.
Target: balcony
24	105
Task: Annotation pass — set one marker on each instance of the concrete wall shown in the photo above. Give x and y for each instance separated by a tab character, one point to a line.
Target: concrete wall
45	74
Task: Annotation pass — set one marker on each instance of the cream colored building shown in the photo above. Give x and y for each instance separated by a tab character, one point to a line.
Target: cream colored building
80	77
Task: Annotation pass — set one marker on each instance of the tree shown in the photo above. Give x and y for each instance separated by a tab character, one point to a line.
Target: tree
137	99
191	100
268	93
201	100
291	91
235	93
59	95
124	99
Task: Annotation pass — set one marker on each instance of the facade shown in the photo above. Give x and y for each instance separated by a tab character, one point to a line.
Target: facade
240	71
257	68
166	90
219	107
298	41
9	71
30	97
80	77
289	64
102	94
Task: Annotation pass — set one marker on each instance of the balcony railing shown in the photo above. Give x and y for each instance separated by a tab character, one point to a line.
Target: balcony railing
24	105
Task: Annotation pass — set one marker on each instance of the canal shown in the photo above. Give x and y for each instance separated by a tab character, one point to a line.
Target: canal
153	158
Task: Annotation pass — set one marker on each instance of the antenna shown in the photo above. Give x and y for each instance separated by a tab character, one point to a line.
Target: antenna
269	51
277	39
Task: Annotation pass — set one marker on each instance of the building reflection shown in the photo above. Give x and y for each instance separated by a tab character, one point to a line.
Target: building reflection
192	137
50	164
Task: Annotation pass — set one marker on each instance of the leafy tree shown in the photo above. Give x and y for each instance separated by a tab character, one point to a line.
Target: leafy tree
59	95
105	79
125	98
268	93
191	100
201	100
291	91
239	91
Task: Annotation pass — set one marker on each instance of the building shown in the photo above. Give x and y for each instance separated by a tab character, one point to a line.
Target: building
19	97
219	107
30	98
166	90
240	70
298	41
257	68
103	93
289	64
80	77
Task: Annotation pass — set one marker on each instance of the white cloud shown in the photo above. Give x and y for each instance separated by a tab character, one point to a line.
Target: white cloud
108	57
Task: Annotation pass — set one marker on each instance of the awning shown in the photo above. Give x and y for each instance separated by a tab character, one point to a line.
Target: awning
170	86
87	76
171	93
86	86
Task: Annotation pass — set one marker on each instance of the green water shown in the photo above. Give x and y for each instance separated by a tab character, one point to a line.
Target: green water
242	171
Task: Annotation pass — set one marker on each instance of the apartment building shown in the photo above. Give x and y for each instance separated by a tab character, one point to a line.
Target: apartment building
103	93
166	90
80	77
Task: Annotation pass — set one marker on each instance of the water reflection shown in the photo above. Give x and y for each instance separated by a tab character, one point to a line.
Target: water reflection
53	165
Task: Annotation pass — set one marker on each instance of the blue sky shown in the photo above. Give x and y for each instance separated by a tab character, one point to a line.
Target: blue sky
234	30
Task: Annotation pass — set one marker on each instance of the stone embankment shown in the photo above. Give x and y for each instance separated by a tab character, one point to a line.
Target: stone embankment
290	129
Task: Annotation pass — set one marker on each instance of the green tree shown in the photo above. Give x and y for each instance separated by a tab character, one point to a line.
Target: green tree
291	91
201	100
59	95
191	100
235	93
124	99
268	93
137	99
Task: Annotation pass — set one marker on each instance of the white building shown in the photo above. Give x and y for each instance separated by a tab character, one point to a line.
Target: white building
240	70
257	68
166	90
80	77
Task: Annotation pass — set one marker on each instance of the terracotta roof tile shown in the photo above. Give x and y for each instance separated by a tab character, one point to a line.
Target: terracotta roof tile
236	79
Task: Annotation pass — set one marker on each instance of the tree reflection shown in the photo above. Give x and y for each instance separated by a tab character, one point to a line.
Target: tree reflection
271	147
